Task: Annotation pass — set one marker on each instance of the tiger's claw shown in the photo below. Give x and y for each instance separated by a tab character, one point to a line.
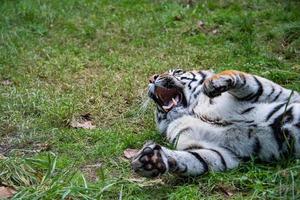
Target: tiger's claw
216	85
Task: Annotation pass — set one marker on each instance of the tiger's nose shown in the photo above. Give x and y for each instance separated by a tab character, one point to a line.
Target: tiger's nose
153	78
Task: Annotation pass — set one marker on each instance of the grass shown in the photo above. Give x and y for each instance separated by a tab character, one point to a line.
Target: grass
60	59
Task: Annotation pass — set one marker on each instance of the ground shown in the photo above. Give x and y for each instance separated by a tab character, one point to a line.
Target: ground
61	59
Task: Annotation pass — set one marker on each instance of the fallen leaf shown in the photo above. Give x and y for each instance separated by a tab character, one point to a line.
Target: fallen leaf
83	124
130	153
2	157
200	24
215	31
84	121
6	82
6	192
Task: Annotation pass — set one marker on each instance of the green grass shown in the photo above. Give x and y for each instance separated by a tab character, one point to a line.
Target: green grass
66	58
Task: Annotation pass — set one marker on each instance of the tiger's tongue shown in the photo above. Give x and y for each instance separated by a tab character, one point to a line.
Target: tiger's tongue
171	104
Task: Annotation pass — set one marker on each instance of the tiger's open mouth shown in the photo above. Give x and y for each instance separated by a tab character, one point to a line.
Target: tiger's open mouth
168	98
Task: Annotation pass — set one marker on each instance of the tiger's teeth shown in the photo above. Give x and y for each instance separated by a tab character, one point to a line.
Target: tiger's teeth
168	106
171	104
174	102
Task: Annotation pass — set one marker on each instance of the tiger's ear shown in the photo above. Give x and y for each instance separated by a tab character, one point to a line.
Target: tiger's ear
208	72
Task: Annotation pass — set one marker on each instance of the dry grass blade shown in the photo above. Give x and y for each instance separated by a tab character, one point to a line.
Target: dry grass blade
143	182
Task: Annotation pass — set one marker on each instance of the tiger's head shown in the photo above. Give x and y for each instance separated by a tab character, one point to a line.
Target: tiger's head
176	90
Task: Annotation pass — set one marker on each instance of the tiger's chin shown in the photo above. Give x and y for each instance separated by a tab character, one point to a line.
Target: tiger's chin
167	98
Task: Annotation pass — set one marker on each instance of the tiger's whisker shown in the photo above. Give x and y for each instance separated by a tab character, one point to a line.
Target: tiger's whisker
144	105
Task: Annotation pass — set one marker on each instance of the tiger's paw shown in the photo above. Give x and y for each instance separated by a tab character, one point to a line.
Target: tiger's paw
151	161
216	85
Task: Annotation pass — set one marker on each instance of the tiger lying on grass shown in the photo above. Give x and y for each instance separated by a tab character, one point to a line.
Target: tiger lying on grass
217	120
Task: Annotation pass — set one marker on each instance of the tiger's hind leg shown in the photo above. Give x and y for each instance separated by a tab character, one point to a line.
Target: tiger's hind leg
154	160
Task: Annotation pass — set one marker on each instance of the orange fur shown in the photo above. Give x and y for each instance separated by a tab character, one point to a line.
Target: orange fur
231	73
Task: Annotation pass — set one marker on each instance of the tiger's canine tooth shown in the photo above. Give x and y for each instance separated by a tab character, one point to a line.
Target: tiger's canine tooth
174	102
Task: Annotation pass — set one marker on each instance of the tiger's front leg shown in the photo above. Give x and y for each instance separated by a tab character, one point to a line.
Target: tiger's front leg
246	87
222	82
154	160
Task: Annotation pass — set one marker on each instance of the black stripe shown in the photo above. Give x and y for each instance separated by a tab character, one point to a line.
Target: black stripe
178	71
160	116
201	160
180	132
174	140
277	96
277	132
275	109
277	124
221	157
184	130
243	121
255	95
231	151
197	93
288	116
243	79
157	147
250	133
252	126
186	78
247	110
193	146
203	75
260	89
246	98
272	91
290	140
194	89
194	79
217	121
256	146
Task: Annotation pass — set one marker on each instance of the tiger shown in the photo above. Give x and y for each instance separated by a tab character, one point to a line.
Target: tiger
215	121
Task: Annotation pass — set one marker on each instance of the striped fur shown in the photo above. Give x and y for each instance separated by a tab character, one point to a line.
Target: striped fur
226	118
